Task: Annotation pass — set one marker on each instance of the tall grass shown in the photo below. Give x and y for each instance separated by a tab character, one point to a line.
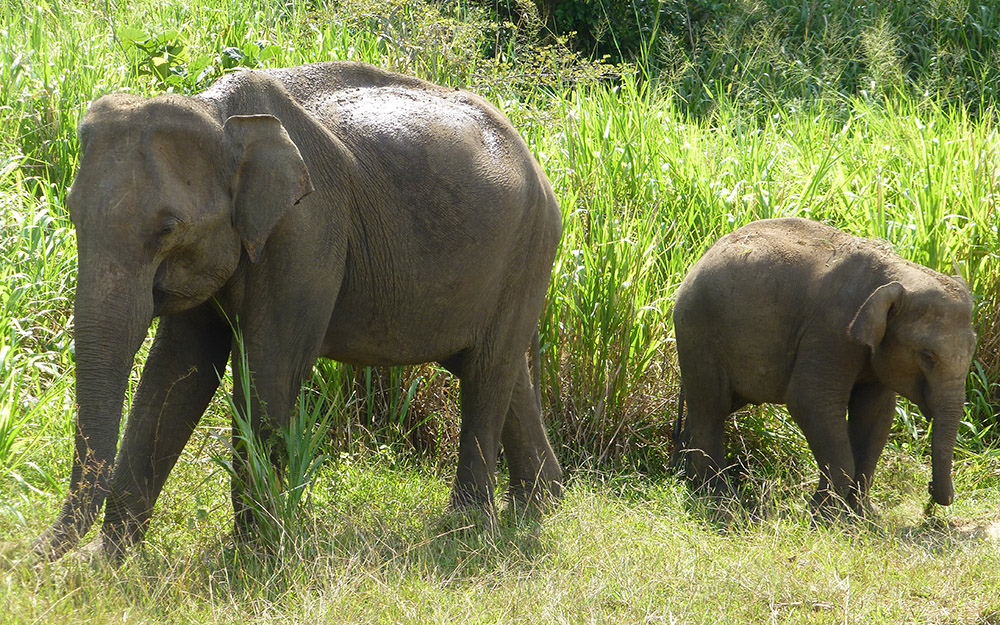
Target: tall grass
645	188
36	281
274	473
759	54
645	183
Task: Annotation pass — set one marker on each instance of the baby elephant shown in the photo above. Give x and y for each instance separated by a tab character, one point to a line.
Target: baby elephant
794	312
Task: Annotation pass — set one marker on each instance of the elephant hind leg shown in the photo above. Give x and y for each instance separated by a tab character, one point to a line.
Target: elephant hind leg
709	398
535	474
485	390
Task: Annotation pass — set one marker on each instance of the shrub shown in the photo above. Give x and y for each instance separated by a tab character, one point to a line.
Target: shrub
778	51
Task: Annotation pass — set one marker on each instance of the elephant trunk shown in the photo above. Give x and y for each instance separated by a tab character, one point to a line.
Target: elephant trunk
946	414
112	317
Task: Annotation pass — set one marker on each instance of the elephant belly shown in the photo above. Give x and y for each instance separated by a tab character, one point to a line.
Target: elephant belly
757	373
404	335
759	385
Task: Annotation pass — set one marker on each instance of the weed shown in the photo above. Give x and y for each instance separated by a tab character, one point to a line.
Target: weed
274	475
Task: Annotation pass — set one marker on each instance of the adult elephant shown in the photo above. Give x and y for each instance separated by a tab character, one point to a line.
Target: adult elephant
331	209
795	312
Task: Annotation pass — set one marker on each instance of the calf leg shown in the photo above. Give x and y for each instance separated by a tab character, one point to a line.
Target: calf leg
870	413
821	416
709	402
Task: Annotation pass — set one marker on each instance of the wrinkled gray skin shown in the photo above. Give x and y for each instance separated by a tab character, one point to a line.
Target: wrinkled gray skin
789	311
332	209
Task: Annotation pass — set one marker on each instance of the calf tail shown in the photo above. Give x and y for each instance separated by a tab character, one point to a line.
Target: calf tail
678	426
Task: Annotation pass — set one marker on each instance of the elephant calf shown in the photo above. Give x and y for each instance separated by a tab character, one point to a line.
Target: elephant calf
331	209
794	312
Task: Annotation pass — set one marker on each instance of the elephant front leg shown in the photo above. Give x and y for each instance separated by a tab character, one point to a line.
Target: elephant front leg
180	377
820	414
271	357
264	396
870	412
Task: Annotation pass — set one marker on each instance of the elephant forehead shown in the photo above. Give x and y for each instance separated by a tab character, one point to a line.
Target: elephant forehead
112	115
945	328
937	306
122	144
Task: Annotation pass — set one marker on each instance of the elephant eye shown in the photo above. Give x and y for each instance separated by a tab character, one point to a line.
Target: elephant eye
168	225
928	358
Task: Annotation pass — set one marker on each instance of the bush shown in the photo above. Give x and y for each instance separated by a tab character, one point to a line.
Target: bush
496	49
778	51
775	51
620	30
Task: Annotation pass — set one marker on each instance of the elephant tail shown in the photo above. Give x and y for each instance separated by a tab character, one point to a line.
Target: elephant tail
678	426
535	363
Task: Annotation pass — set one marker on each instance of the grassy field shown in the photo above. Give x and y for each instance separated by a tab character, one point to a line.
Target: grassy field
645	187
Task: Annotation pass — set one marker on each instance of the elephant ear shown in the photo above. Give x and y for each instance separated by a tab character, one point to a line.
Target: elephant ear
270	176
869	324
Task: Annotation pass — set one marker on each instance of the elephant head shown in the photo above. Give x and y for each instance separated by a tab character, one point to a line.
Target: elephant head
166	199
922	343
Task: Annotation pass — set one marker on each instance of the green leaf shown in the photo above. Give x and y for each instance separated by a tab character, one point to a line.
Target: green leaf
160	66
167	36
129	35
198	64
251	49
231	57
269	52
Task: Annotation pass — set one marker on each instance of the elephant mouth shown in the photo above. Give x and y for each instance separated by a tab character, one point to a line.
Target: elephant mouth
159	300
166	302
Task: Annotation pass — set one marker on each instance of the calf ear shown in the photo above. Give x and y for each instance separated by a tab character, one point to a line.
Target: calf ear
270	176
869	324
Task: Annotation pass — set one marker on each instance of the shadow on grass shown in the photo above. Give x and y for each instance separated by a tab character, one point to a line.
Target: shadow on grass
938	534
743	499
383	532
750	501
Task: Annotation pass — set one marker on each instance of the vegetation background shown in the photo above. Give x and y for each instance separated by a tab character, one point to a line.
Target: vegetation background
662	125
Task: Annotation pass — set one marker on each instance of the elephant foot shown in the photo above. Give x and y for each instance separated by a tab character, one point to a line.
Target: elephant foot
99	548
249	533
114	551
533	498
122	531
471	516
97	553
474	504
56	541
715	485
829	506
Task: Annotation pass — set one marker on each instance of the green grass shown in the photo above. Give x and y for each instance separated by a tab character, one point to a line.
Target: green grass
645	186
621	550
